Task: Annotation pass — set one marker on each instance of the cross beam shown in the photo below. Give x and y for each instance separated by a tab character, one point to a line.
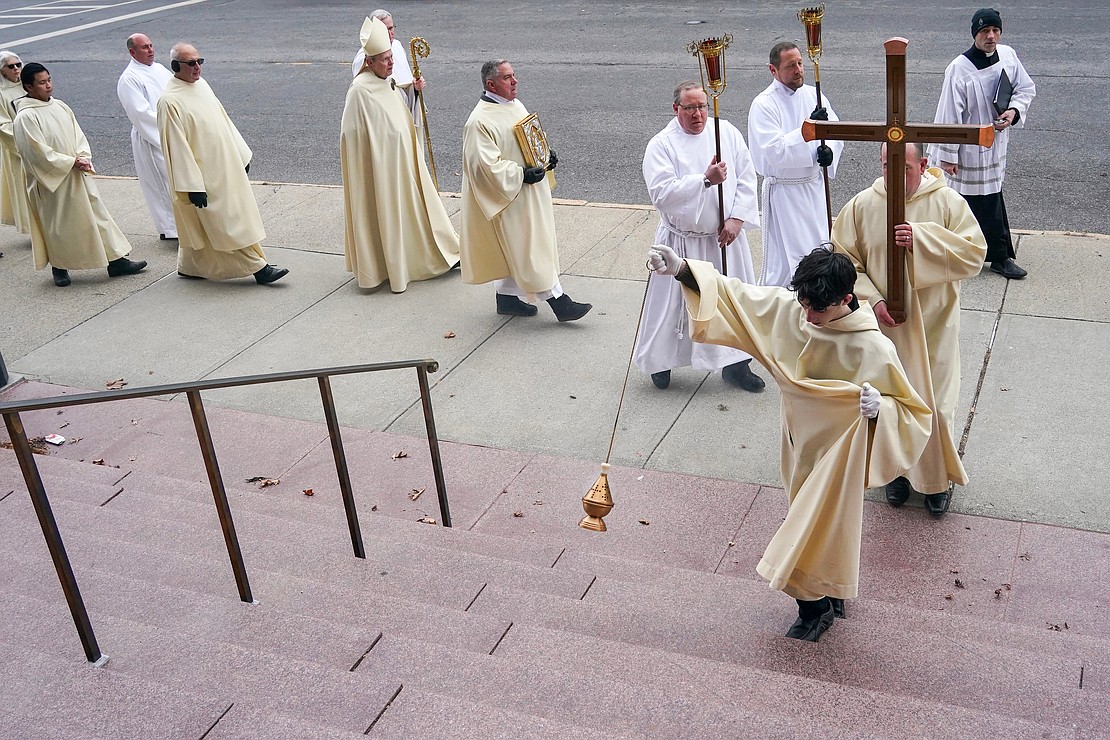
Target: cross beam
896	132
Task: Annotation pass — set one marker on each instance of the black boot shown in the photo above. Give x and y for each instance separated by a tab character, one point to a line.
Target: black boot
814	617
270	274
740	374
61	277
1008	269
124	266
567	310
838	607
661	379
897	491
510	305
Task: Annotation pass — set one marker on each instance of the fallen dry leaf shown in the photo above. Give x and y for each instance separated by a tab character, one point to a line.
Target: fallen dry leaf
427	520
133	459
953	570
308	492
74	440
518	514
449	335
416	493
374	507
948	597
255	479
1003	389
1025	556
537	502
998	593
960	584
267	482
115	385
644	521
399	454
722	407
38	445
98	461
63	426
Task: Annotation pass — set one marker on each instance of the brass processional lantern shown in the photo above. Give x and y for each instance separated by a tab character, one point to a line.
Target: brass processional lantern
811	19
711	70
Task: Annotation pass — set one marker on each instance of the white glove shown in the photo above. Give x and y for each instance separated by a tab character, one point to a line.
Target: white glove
663	260
869	402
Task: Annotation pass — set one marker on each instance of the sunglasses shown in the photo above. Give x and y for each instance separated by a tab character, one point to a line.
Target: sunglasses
17	65
193	62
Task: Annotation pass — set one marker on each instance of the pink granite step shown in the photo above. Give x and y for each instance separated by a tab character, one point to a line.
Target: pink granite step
927	661
337	698
245	721
546	691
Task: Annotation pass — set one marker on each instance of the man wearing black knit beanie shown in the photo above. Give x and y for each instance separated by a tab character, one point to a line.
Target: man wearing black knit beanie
987	84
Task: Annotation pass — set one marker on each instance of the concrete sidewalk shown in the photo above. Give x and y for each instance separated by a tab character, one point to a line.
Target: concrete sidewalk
1031	400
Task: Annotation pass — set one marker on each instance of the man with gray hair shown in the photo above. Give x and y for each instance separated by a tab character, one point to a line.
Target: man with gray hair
139	88
682	174
14	210
508	224
402	72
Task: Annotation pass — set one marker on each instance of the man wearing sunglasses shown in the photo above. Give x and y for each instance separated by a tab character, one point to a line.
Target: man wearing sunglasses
14	210
139	88
70	227
218	223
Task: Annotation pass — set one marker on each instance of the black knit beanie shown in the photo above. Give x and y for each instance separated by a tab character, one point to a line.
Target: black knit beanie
985	17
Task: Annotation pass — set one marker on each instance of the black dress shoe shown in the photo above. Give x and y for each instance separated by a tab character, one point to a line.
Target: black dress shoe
181	274
567	310
814	617
165	238
61	277
270	274
897	491
661	379
838	607
510	305
740	374
124	266
937	503
1008	269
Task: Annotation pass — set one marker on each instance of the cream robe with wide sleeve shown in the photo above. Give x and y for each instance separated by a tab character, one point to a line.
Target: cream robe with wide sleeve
205	153
508	228
948	247
70	228
396	226
14	210
830	454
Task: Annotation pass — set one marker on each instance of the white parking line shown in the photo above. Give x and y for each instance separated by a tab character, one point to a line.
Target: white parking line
94	24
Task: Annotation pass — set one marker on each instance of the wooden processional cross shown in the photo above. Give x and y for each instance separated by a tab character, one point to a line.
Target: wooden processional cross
896	132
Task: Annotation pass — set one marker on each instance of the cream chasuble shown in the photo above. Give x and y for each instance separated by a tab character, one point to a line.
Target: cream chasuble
14	210
402	75
139	88
830	454
508	228
674	171
396	226
948	247
206	154
70	228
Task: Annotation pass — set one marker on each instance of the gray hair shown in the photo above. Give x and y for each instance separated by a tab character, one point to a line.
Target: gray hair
381	15
131	40
683	87
489	69
775	56
6	55
175	52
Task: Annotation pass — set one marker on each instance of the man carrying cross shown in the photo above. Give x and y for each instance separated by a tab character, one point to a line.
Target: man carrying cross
943	246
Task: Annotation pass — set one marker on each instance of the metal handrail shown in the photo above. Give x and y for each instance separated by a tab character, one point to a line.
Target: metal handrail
11	411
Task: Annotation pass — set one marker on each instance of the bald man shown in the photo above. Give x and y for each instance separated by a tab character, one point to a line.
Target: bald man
139	88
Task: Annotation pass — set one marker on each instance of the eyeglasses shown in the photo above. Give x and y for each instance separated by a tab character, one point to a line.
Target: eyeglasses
192	62
17	65
694	108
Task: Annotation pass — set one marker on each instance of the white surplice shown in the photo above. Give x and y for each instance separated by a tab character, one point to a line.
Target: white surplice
968	97
674	171
139	88
795	218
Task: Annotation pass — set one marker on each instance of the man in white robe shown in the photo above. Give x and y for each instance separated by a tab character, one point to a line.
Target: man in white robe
218	222
139	88
14	210
396	226
508	225
795	217
682	176
407	85
971	85
70	228
944	246
850	417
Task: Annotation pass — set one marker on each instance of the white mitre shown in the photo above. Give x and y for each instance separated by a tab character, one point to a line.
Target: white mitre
374	37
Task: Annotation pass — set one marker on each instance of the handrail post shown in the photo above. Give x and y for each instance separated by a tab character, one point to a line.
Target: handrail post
341	466
433	444
53	538
219	495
